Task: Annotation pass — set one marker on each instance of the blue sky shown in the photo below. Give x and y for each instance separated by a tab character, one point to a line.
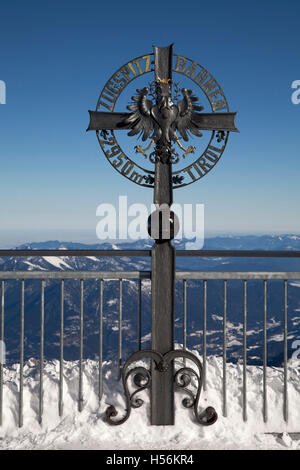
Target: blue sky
55	57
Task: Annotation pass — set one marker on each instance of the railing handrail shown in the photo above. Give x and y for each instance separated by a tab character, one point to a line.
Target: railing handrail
129	275
237	254
111	275
146	253
83	253
238	275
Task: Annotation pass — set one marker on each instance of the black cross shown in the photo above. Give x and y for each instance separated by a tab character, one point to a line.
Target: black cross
163	115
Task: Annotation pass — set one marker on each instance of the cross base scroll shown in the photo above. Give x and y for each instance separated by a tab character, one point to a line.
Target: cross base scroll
142	380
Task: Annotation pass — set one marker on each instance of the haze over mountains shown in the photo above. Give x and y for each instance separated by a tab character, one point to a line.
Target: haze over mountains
130	301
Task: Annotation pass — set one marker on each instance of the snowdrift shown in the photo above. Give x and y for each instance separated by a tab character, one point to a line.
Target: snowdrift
88	430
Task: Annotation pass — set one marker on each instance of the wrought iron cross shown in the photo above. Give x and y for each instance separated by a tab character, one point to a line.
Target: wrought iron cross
162	122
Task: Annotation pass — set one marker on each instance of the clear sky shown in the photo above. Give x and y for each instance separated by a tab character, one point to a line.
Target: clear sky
56	56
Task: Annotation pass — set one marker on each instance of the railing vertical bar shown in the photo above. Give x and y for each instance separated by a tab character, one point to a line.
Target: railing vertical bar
225	349
3	351
245	416
140	315
204	331
21	355
42	350
100	340
120	328
265	359
61	348
80	391
184	317
285	391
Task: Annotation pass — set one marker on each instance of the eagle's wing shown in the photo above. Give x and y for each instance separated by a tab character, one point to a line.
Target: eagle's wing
140	120
184	121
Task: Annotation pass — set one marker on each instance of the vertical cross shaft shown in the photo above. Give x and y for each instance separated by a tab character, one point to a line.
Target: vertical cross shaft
163	255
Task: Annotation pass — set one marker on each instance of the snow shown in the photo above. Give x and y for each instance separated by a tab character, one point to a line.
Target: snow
33	266
295	284
88	430
233	342
146	338
57	262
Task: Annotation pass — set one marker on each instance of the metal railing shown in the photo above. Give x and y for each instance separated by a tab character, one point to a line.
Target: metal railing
62	276
183	276
243	276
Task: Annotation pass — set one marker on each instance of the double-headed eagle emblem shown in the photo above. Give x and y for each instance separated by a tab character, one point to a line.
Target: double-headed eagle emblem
162	121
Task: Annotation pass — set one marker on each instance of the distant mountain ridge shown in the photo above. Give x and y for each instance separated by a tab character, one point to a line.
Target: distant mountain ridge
233	242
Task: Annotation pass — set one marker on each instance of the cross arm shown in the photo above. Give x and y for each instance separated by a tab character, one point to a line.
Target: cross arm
215	121
107	121
205	121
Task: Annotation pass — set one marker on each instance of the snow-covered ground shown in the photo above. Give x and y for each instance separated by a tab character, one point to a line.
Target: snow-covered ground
88	430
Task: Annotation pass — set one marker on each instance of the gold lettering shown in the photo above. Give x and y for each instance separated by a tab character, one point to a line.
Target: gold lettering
113	151
119	161
211	157
113	88
211	154
132	69
110	141
106	105
215	149
198	170
136	177
202	76
217	105
147	67
191	70
127	168
108	98
120	82
137	64
125	72
188	170
215	93
209	86
180	64
204	165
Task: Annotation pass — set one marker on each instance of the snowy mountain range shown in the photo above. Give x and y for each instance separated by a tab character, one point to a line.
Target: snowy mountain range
130	297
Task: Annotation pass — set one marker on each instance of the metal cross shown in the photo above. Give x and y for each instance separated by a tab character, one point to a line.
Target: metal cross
163	120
